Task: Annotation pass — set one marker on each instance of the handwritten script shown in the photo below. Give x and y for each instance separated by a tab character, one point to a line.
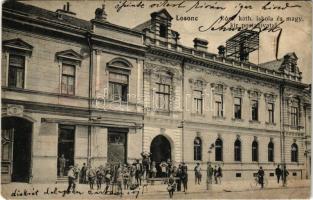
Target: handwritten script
188	6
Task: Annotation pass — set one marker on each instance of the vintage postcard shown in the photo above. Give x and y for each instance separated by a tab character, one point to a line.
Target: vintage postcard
156	99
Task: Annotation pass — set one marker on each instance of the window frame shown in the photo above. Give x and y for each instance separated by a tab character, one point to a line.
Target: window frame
219	105
68	76
270	148
255	151
294	153
197	149
163	94
163	30
10	66
270	111
255	110
124	94
218	149
196	101
237	150
240	108
294	116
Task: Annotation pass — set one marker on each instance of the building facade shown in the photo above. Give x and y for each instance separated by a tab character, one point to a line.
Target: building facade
95	92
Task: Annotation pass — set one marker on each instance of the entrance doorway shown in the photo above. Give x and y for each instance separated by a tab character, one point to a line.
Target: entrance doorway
117	140
16	139
160	151
65	149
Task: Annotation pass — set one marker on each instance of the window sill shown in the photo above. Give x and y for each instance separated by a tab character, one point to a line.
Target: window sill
67	95
254	122
162	112
270	123
237	119
197	115
120	102
15	88
219	117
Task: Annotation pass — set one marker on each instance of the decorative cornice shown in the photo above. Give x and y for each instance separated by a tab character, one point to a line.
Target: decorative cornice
237	91
270	97
69	54
17	44
254	93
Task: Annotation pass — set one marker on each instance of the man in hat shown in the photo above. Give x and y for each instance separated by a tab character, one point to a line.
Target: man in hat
198	174
138	172
71	179
210	173
184	176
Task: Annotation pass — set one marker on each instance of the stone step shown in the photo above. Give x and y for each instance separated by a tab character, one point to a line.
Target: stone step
61	179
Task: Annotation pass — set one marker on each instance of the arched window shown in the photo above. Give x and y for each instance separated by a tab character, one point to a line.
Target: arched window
197	149
294	152
270	149
119	71
218	150
255	151
237	150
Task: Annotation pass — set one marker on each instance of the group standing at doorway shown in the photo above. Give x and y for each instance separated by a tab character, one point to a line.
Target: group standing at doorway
118	177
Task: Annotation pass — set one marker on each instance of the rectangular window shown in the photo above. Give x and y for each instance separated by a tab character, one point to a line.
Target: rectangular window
271	174
16	71
68	79
219	105
294	174
118	87
197	100
163	30
237	107
238	175
294	116
254	109
270	112
163	96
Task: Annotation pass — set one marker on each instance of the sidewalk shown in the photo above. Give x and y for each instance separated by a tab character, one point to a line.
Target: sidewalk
57	191
235	186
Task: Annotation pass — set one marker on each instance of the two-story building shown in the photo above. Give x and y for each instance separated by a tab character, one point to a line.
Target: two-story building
77	91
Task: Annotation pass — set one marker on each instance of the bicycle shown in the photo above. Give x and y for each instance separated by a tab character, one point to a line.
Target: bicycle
255	183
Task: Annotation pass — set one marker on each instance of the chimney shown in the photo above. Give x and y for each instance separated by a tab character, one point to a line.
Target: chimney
65	11
221	50
100	14
200	44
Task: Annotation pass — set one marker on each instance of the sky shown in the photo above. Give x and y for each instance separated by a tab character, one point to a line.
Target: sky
296	36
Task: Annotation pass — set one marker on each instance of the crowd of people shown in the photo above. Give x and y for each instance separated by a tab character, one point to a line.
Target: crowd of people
114	177
117	177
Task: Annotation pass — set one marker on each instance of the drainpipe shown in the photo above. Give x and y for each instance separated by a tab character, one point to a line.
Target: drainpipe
88	37
143	106
282	127
183	107
306	144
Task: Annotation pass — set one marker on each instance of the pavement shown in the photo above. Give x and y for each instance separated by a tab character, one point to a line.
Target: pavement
57	191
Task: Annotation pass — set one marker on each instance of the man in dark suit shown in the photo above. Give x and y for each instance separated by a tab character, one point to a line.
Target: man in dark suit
278	173
261	177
